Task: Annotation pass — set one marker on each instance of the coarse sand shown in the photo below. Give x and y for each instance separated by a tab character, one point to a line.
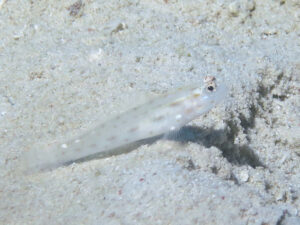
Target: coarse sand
67	65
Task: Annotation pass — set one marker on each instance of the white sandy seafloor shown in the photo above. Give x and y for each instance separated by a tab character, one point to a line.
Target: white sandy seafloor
65	67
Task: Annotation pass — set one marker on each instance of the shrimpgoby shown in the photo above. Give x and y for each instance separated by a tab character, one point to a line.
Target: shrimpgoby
158	116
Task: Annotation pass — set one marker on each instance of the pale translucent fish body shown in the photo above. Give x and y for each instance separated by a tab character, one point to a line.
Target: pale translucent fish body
156	117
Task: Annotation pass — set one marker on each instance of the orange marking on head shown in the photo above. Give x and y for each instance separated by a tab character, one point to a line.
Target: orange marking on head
196	95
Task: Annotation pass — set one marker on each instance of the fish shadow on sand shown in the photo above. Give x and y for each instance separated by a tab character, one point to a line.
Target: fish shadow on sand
221	139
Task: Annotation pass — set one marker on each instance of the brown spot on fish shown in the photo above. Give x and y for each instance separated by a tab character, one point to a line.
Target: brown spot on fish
133	129
93	145
158	118
176	103
111	138
189	110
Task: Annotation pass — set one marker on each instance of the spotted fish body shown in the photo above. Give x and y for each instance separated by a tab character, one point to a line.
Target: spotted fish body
156	117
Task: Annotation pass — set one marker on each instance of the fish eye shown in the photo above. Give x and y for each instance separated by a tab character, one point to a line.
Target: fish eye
210	88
